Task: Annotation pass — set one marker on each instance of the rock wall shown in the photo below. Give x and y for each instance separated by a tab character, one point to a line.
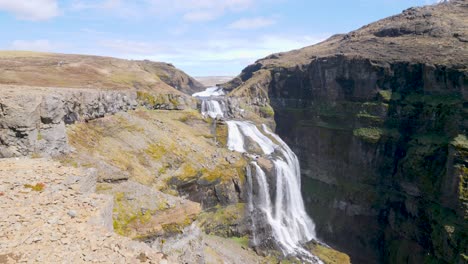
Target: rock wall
383	154
32	121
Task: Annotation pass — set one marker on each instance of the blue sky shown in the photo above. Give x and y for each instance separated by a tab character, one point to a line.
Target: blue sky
201	37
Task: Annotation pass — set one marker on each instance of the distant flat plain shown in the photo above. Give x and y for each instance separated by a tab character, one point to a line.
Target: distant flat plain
209	81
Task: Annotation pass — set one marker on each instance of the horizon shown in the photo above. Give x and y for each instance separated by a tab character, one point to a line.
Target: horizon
202	38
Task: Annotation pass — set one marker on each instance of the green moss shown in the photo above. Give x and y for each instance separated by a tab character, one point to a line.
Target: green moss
243	241
222	133
174	101
267	111
156	151
39	136
176	228
35	155
369	134
103	187
225	172
386	95
124	215
463	185
219	220
150	99
188	172
190	115
330	256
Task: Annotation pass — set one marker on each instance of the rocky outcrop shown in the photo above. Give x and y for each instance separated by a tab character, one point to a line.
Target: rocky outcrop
33	119
34	123
378	120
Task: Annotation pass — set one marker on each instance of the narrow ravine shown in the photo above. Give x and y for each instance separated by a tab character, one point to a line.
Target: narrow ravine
276	208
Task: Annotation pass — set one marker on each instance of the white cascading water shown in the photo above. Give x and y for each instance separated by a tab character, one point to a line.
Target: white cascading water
283	210
211	107
277	199
210	92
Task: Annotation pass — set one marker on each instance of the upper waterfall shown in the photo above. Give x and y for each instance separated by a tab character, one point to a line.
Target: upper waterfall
212	104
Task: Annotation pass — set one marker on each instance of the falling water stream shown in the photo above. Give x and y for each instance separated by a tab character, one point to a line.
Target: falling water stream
275	202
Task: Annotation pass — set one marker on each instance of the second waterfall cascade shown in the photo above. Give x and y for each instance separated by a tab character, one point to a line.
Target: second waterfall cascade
275	203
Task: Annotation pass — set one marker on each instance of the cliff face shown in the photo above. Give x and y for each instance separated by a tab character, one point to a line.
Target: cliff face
40	93
378	118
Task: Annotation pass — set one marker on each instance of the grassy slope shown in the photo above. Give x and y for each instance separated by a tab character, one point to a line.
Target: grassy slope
94	72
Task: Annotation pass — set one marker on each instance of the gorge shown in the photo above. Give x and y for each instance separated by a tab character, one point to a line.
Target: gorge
352	150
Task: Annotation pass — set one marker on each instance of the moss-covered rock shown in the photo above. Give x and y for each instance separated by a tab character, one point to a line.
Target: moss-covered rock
224	221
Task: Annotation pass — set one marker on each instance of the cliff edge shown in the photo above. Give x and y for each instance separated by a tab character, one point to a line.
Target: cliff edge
378	118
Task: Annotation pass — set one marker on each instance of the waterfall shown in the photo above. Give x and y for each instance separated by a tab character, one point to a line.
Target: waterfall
283	210
212	104
275	203
213	108
210	92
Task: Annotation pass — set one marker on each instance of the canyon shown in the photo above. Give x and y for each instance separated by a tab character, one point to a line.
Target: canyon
366	134
378	119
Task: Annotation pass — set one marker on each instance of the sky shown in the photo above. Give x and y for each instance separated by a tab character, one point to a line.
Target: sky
201	37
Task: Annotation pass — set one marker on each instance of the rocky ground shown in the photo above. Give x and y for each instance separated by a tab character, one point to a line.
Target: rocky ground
50	213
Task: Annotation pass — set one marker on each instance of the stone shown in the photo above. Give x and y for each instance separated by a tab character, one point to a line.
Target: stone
72	213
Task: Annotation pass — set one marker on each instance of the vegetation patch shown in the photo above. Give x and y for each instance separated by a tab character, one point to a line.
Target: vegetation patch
190	115
220	220
267	111
68	160
370	119
385	95
188	172
369	134
222	133
124	215
156	151
330	256
150	99
242	241
176	228
124	78
38	187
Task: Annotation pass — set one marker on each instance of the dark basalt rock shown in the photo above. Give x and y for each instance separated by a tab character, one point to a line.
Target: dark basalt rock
377	118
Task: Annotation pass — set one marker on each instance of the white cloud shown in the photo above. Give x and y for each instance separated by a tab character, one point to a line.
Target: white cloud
191	11
226	56
252	23
31	9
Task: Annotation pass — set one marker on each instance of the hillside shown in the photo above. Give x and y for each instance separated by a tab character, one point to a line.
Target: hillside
92	72
378	118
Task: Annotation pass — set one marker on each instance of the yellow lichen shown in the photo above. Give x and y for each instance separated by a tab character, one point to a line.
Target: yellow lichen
38	187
